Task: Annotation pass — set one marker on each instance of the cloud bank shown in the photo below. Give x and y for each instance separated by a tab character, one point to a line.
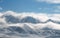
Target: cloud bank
35	19
28	24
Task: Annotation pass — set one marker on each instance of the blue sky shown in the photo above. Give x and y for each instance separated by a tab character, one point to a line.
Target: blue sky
38	6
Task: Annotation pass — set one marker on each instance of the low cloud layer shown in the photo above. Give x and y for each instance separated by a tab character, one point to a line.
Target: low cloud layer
28	24
35	19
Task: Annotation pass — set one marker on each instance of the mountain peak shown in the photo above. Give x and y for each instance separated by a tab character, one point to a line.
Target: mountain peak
29	19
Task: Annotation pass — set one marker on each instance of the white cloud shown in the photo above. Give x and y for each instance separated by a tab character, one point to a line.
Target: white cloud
42	17
35	27
49	1
39	16
55	17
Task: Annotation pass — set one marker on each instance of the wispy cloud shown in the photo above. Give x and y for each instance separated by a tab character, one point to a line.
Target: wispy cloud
57	9
1	8
49	1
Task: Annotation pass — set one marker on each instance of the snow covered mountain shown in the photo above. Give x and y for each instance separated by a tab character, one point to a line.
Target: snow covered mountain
27	19
12	19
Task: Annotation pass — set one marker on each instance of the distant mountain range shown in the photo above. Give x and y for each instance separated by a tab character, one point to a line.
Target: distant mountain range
27	19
